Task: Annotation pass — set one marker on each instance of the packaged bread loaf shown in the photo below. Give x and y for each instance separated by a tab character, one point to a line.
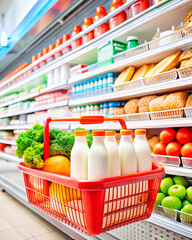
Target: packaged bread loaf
131	106
186	58
157	104
165	65
125	75
141	72
143	103
175	100
189	101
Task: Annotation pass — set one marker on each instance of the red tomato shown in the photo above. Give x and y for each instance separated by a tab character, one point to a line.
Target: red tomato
167	135
2	146
173	149
186	150
160	149
184	135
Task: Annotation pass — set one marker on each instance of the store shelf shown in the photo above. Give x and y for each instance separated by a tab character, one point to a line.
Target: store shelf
9	157
171	225
180	171
8	142
13	127
35	109
104	126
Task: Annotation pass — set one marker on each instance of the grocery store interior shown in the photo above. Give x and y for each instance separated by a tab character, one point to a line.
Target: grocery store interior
95	119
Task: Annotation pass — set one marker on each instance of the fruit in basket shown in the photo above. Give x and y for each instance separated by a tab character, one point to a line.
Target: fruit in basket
173	149
159	198
186	202
172	202
57	164
184	135
181	181
166	183
187	209
189	194
160	149
177	191
186	150
167	135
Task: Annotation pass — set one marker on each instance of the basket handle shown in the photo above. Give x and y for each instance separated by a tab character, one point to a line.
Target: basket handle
82	120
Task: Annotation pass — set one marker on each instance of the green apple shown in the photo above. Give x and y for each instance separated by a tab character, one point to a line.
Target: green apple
186	202
189	194
166	183
172	202
177	191
159	198
187	209
179	180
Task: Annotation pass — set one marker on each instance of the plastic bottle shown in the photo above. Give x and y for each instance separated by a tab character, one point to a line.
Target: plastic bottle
51	58
132	42
34	58
113	152
78	42
120	17
106	109
98	158
100	84
79	156
143	153
88	21
138	7
127	153
100	13
58	43
67	49
41	64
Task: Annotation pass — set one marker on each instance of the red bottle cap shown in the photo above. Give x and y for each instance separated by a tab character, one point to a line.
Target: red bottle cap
88	21
34	58
45	51
66	37
98	133
77	28
115	5
40	54
101	9
59	42
51	47
100	13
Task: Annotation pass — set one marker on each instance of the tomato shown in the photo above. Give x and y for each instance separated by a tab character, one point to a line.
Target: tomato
167	135
186	150
184	135
173	149
160	149
2	146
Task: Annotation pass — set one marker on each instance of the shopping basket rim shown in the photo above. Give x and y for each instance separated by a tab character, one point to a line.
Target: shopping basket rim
157	171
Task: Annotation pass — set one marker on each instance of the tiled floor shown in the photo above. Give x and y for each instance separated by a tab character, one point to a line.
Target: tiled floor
17	222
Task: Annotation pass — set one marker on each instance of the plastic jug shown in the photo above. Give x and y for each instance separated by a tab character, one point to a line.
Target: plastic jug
120	17
67	49
100	13
88	21
58	43
78	42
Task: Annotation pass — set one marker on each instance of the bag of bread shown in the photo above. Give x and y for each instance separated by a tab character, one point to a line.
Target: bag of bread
143	103
131	106
141	72
125	75
157	104
165	65
175	100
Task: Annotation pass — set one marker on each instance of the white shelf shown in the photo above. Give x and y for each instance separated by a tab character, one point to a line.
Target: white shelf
13	127
35	109
9	157
8	142
180	171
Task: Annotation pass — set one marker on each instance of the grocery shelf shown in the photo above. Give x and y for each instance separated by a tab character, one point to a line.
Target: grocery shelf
104	126
35	109
180	171
8	142
9	157
179	84
14	127
171	225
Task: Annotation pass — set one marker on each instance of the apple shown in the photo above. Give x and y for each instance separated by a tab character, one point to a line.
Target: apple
172	202
189	194
159	198
186	202
187	209
181	181
166	183
177	191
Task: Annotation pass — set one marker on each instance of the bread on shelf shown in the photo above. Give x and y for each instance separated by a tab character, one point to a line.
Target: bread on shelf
131	106
125	75
141	72
189	101
157	104
153	141
143	103
175	100
119	111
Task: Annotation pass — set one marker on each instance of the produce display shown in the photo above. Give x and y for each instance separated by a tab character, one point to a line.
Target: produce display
175	193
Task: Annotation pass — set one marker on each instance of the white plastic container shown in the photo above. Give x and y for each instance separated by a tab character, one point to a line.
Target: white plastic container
57	75
65	72
50	78
98	159
127	153
143	153
113	152
79	156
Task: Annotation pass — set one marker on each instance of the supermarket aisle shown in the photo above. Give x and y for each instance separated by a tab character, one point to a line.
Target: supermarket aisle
17	222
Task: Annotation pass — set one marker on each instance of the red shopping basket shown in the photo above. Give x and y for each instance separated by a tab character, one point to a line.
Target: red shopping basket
92	207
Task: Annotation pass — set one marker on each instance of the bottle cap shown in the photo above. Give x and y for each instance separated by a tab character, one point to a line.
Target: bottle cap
101	9
59	42
98	133
132	38
80	133
77	28
140	132
34	58
126	132
51	47
40	54
88	20
45	51
66	37
110	133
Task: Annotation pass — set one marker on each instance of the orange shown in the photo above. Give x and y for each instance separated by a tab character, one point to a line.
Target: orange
57	164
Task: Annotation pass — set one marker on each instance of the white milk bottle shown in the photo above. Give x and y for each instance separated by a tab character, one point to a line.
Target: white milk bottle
79	156
143	153
127	153
98	158
113	152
